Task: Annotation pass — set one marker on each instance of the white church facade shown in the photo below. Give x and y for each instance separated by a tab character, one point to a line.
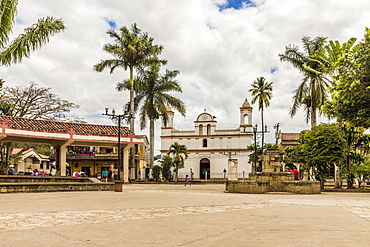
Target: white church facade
212	154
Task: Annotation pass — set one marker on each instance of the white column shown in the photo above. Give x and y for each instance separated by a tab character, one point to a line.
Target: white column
125	161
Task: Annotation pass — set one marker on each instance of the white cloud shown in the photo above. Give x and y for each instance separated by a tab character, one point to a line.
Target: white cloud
219	53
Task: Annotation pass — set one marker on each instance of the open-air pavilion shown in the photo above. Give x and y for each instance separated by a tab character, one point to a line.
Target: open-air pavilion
63	134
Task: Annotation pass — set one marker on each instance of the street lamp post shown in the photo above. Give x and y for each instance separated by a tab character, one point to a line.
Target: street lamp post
256	134
277	134
119	117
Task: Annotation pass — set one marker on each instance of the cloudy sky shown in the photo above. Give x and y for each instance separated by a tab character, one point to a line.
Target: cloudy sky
219	46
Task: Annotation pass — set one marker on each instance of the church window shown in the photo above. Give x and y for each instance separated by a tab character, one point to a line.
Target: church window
245	121
204	143
200	129
208	129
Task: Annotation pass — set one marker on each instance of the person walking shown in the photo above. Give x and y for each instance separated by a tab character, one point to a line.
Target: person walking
187	180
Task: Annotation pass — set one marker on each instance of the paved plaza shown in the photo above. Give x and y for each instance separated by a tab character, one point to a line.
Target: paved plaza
175	215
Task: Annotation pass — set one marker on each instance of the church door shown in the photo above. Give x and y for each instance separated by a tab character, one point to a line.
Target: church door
205	169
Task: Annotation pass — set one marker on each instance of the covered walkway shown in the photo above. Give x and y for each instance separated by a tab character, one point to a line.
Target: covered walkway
63	134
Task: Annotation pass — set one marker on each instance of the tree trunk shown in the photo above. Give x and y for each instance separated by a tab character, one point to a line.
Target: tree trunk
349	176
322	180
132	117
313	107
132	103
151	139
263	130
313	117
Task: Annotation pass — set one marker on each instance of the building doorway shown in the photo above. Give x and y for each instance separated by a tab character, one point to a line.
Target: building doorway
205	169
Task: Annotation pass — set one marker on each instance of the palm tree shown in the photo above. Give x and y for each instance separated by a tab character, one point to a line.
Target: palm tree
179	153
32	38
313	89
6	109
152	96
262	92
166	163
131	50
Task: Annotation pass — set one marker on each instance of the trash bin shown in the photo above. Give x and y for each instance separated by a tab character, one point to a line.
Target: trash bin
118	184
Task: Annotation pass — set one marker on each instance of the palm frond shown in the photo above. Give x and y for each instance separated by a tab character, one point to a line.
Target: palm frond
32	39
8	10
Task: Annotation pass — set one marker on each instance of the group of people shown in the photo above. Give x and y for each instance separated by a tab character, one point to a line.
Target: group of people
44	173
107	174
292	168
35	172
79	174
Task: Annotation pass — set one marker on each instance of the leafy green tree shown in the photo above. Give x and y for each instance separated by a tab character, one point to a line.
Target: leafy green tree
180	154
332	59
353	137
167	164
297	154
362	171
32	39
131	50
312	92
153	98
156	172
351	92
322	146
262	93
357	160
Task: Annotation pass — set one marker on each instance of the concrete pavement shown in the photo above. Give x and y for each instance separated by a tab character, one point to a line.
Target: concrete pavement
175	215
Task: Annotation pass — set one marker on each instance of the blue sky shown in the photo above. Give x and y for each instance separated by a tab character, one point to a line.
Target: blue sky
237	4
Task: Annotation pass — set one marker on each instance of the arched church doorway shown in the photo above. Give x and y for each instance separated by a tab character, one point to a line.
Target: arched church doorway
205	168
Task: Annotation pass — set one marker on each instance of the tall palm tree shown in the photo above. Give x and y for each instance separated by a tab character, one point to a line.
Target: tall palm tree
153	98
131	50
180	154
32	38
262	92
313	89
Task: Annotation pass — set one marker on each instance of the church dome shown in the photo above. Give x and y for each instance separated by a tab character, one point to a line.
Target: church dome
246	104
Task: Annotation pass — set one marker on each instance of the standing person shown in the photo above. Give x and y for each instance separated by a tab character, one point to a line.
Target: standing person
187	180
105	174
296	173
109	173
115	173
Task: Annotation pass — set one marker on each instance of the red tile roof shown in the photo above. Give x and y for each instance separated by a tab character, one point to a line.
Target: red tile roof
62	127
